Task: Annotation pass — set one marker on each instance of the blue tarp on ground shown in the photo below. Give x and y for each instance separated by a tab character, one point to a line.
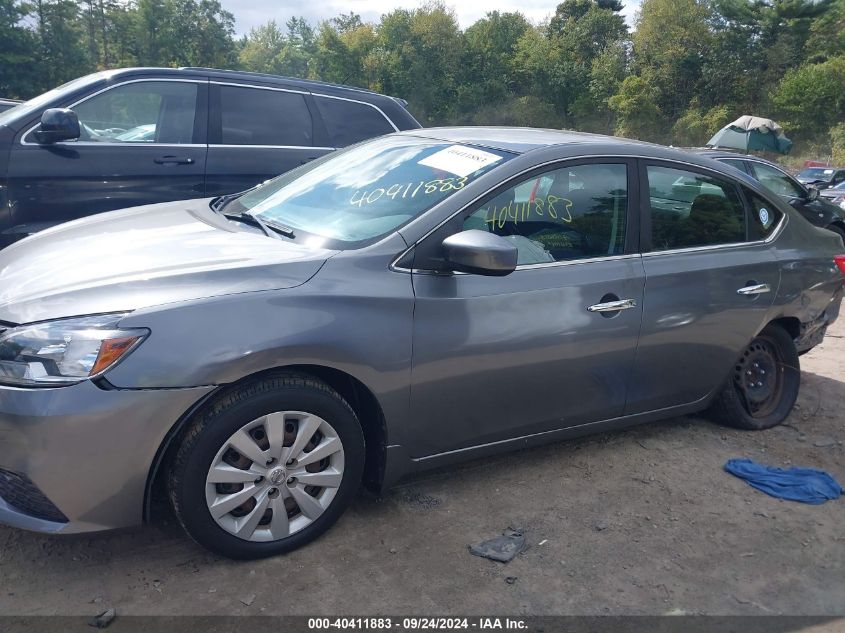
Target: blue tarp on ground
795	484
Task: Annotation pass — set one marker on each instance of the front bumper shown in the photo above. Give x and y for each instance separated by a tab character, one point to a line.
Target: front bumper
87	450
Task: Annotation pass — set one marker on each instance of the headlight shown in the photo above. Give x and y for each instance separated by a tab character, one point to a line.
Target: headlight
64	352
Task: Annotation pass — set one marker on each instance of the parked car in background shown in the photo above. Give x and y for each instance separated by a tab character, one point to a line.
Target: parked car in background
806	199
416	300
8	104
139	136
835	195
821	177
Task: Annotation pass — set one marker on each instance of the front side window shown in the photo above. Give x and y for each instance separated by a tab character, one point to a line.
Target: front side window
571	213
689	209
142	112
255	116
777	182
367	191
348	122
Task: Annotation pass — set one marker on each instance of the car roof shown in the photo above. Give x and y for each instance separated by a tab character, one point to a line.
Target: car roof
716	154
520	140
288	82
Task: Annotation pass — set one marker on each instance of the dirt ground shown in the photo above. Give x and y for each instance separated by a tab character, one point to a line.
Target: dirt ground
643	521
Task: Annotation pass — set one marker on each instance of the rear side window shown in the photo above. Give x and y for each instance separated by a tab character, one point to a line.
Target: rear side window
690	210
764	217
254	116
348	122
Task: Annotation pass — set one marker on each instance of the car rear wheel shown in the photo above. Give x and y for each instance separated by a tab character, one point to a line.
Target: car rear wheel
764	383
267	467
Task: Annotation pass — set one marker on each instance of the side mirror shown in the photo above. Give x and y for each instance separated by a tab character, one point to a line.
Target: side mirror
480	253
58	124
812	193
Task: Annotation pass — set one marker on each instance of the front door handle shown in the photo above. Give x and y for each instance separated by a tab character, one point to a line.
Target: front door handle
755	289
613	306
173	160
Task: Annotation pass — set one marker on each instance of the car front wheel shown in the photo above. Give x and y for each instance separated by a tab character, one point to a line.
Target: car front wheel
764	383
267	467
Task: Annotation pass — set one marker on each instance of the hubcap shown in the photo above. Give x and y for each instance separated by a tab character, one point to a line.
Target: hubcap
275	476
758	378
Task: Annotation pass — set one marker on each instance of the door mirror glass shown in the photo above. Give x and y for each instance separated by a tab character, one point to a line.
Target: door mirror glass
812	194
480	253
58	124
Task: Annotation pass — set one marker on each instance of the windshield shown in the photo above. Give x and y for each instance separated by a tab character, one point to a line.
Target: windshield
368	190
33	105
816	173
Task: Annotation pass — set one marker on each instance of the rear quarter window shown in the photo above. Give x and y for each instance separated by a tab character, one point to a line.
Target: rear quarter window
349	122
764	217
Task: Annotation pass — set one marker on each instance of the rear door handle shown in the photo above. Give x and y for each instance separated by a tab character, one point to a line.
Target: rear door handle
173	160
613	306
757	289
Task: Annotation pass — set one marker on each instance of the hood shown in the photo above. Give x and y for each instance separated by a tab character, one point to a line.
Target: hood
141	257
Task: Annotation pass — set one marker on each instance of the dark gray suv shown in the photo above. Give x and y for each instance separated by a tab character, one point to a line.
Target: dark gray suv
410	302
137	136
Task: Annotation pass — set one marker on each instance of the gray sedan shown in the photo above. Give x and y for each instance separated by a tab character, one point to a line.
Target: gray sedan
407	303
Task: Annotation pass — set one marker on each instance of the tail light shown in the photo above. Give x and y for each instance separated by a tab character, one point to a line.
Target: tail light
839	260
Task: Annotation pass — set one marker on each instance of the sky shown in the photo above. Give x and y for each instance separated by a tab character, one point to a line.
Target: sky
252	13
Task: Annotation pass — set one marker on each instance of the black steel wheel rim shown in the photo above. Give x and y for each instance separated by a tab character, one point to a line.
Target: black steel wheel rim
758	378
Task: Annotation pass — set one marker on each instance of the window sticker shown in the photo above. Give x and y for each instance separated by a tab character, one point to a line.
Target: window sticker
408	190
828	171
551	207
765	219
460	160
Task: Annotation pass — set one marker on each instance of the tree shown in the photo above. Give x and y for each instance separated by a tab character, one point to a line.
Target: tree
811	99
636	107
299	49
557	63
184	33
419	54
60	31
490	46
344	46
670	43
18	44
827	34
697	125
762	40
261	50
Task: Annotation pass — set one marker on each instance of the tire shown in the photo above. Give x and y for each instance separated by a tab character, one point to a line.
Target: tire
761	399
839	231
281	511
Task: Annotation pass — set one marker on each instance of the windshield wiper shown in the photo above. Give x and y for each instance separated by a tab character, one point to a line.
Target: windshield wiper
270	228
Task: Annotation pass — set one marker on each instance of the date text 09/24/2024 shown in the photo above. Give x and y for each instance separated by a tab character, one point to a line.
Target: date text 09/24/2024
416	623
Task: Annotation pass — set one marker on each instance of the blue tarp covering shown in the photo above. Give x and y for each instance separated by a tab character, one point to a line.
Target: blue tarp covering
795	484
